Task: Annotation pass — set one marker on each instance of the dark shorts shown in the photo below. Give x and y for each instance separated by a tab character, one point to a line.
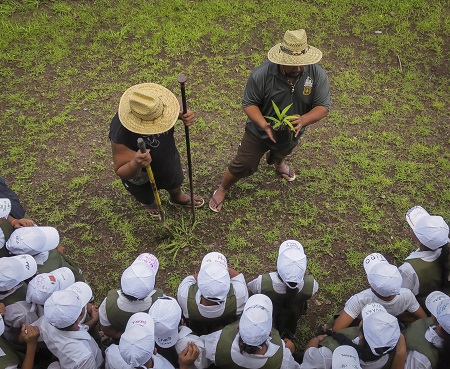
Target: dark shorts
171	178
250	151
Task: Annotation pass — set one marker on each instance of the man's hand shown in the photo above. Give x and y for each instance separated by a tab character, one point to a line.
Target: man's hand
188	356
269	132
142	159
2	308
188	118
297	122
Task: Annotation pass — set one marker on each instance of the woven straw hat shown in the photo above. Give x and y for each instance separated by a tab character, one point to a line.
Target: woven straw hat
294	50
148	108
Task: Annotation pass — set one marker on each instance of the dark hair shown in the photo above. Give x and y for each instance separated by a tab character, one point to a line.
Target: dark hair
444	352
243	347
364	351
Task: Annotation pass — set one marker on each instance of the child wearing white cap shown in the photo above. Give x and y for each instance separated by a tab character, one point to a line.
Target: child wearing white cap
62	332
428	339
9	359
345	357
250	343
42	242
136	348
171	335
377	341
288	288
425	269
14	270
137	294
385	288
213	298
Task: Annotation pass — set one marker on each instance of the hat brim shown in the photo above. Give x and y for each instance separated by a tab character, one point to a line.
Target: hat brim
277	56
414	214
149	127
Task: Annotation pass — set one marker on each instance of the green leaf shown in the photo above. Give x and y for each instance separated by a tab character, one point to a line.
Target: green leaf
273	119
283	113
277	111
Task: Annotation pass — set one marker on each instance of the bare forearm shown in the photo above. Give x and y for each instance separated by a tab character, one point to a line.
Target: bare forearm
314	115
254	113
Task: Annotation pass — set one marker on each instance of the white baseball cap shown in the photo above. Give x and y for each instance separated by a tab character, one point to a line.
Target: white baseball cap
345	357
15	269
383	277
32	240
431	230
43	285
83	290
255	324
215	257
433	304
214	282
5	207
137	343
166	313
291	263
138	280
373	307
381	329
150	259
63	308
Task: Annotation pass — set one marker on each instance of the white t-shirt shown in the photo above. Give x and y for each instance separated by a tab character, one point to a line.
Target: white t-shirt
246	360
278	285
74	349
409	275
213	311
185	336
113	360
405	301
16	314
125	305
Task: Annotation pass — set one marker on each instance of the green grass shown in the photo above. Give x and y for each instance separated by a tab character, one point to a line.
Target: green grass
382	149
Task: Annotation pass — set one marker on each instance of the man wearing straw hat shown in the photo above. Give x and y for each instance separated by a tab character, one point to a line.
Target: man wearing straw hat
290	76
149	111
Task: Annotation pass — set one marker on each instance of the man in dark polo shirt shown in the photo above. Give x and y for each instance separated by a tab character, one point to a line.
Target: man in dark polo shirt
290	76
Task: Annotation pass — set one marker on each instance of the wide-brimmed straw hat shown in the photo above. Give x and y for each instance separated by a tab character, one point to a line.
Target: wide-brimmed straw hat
294	50
148	108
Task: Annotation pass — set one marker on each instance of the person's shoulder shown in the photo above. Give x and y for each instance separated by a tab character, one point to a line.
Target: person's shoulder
267	67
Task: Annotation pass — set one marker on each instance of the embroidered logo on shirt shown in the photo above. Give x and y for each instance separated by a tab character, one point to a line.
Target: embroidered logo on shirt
307	87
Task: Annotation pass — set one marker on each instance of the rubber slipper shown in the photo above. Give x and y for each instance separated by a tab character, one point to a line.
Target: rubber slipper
153	207
216	203
187	204
288	172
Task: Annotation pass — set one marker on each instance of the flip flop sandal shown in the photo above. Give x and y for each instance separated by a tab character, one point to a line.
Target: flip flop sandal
216	203
289	172
151	207
187	204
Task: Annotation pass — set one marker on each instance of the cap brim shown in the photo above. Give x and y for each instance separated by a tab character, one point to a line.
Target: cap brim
52	236
214	257
414	214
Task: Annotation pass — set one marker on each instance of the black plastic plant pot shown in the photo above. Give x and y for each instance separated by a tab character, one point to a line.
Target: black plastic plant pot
283	134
